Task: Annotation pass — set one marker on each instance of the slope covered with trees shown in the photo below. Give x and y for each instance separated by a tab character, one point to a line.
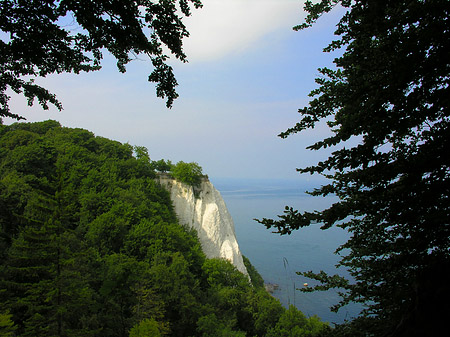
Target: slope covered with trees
90	246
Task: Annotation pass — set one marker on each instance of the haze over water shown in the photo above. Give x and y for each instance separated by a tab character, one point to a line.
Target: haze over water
276	257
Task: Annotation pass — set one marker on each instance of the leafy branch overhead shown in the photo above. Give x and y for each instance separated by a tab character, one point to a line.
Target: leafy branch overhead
387	104
39	38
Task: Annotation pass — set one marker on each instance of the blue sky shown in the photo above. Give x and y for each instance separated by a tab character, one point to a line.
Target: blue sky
248	74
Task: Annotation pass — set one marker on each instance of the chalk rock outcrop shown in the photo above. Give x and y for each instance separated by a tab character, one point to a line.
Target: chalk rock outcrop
204	209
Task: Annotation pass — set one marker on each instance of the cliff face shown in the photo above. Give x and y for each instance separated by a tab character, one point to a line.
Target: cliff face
204	210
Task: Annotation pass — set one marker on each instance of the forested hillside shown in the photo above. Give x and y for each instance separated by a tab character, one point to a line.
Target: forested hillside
90	246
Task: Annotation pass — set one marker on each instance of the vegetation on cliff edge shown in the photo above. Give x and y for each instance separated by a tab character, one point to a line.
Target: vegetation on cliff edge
90	246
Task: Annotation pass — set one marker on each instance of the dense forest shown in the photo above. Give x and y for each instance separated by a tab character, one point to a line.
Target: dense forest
90	246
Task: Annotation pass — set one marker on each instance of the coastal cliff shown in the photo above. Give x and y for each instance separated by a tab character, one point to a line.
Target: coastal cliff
204	209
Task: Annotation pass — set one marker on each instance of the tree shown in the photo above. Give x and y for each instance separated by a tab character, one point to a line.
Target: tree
255	277
90	246
141	153
293	323
264	311
162	165
189	173
211	326
387	105
39	38
146	328
7	327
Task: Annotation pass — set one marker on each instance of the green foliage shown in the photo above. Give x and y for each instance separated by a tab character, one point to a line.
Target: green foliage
263	311
147	328
189	173
123	28
162	165
141	153
80	226
211	326
387	105
7	327
238	306
90	246
293	323
255	277
221	273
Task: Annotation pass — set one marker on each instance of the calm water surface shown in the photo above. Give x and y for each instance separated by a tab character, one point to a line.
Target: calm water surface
276	257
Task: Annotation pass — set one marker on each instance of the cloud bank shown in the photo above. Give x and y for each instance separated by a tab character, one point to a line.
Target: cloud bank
224	27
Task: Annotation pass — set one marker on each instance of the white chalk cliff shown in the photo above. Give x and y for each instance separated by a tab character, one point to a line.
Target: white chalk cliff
204	210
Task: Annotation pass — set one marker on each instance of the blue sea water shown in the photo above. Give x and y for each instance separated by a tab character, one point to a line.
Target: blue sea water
277	258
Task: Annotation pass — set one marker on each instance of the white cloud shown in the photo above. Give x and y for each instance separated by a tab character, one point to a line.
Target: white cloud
223	27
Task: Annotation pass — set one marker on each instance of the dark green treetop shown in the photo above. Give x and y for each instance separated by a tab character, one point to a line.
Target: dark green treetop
39	38
387	103
162	165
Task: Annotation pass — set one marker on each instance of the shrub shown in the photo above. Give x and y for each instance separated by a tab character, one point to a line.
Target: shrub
189	173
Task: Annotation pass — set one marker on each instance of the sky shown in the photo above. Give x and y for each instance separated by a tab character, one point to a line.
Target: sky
247	76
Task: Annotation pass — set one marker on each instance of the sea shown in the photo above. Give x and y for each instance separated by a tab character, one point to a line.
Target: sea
278	258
